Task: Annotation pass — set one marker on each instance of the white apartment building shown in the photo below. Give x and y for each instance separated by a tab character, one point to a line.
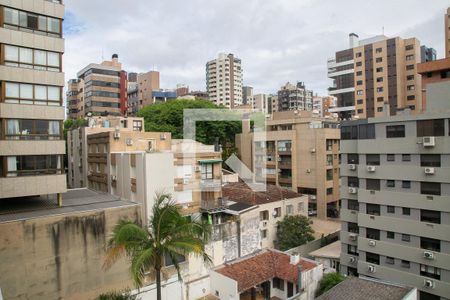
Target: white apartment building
224	80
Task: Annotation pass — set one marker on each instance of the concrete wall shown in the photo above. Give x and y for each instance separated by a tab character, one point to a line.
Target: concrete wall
223	287
61	256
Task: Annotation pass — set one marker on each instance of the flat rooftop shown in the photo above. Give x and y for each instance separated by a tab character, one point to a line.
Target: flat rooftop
76	200
332	250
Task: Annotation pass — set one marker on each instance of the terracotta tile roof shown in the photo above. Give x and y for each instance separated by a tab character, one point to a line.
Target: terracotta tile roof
241	192
262	267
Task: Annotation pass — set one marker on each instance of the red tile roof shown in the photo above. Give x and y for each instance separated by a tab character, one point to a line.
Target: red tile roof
263	267
241	192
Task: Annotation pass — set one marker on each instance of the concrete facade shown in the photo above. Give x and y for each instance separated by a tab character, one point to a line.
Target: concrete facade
31	104
435	80
224	80
295	97
395	213
302	154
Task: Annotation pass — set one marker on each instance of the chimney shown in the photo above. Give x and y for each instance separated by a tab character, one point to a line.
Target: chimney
353	39
295	258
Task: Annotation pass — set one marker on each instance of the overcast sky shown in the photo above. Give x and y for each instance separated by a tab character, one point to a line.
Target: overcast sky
277	40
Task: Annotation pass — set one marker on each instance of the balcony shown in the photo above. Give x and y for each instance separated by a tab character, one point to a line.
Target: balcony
285	164
285	179
216	205
211	184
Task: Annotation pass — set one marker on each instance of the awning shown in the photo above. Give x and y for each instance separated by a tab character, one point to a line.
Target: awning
209	161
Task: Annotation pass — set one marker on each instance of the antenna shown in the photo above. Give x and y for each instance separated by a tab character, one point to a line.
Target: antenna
382	30
102	55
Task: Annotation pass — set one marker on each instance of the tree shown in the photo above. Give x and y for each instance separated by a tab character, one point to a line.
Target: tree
328	281
125	295
169	235
294	231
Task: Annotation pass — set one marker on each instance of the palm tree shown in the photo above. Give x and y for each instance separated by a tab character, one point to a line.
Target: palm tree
169	235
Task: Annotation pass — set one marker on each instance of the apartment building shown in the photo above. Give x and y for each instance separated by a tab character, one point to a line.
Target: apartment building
294	97
224	80
272	103
300	152
447	32
31	105
395	200
321	105
376	77
247	95
435	83
261	103
77	143
99	89
147	83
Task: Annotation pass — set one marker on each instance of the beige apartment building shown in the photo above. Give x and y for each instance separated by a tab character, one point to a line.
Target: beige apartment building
31	104
300	152
147	83
99	89
224	80
377	76
77	143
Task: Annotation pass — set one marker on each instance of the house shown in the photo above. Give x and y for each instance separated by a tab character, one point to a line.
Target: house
328	256
269	273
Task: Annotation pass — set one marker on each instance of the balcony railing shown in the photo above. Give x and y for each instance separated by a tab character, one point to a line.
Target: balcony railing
215	205
210	183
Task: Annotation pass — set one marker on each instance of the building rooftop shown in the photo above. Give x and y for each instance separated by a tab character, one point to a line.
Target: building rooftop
76	200
332	250
239	207
434	66
242	193
266	265
354	288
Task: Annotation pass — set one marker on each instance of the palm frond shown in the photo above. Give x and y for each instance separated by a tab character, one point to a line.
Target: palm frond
142	262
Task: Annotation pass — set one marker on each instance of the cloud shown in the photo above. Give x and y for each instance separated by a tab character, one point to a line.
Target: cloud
278	41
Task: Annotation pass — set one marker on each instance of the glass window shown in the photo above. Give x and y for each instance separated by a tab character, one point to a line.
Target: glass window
390	260
40	92
53	59
391	209
390	183
430	160
53	25
373	209
54	93
430	244
406	184
390	235
390	157
373	234
207	171
429	271
42	23
372	258
26	55
406	157
430	127
373	159
11	16
406	211
430	188
40	57
406	237
395	131
11	53
373	184
352	158
12	90
26	91
430	216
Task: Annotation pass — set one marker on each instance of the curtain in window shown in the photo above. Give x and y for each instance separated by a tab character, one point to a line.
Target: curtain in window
12	165
13	128
53	128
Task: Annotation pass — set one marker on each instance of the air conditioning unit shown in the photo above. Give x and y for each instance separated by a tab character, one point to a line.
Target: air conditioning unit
308	171
428	255
352	259
313	150
371	269
429	171
197	168
352	190
352	167
313	197
265	223
352	237
129	142
113	177
428	283
429	141
371	168
279	158
372	243
116	135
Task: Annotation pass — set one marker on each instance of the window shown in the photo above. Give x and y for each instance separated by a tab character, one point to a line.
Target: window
289	209
137	126
360	92
373	159
32	94
277	212
430	271
359	73
264	215
409	57
358	54
349	132
406	184
395	131
430	160
29	22
406	211
359	101
411	87
366	131
373	209
391	209
406	157
409	47
353	227
430	127
379	79
32	165
372	258
373	234
373	184
329	191
410	77
20	129
207	171
430	188
380	99
378	50
359	82
264	233
379	89
379	109
430	244
278	283
352	158
352	181
168	261
379	59
390	157
390	260
410	67
352	249
352	205
358	64
380	69
301	207
405	264
390	183
430	216
410	97
390	235
406	237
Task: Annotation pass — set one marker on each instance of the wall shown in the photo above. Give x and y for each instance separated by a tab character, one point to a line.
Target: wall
305	249
227	288
61	256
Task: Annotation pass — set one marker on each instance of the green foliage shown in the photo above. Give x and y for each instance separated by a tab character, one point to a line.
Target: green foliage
293	231
73	123
125	295
169	235
328	281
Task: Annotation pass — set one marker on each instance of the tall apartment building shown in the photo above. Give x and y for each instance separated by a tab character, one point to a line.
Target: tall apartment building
261	103
100	89
77	151
224	80
321	105
147	83
294	97
31	104
447	32
299	152
272	104
376	77
435	79
395	200
427	54
247	95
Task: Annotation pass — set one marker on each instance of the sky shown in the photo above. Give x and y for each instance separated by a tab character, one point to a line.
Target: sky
277	40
